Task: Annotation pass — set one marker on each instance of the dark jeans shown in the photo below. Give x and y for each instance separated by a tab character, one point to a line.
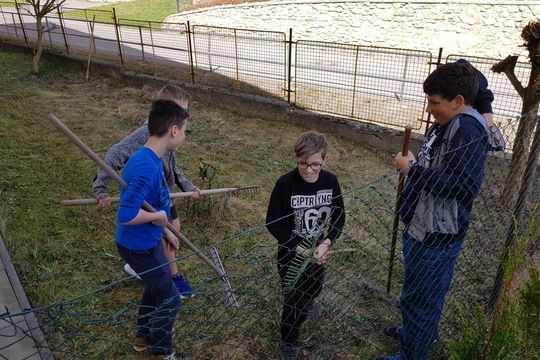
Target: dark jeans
295	303
160	300
428	274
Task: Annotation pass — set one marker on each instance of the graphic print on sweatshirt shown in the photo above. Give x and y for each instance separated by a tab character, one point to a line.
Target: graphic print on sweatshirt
310	211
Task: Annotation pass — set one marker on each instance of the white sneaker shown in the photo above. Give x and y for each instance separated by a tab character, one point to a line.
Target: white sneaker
130	271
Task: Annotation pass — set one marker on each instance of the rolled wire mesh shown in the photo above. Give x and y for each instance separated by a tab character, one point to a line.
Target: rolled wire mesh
250	61
351	81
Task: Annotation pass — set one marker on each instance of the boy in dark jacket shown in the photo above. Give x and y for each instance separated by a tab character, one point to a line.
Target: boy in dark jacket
304	204
437	202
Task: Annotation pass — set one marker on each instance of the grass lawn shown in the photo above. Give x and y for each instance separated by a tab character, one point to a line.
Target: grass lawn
61	252
149	10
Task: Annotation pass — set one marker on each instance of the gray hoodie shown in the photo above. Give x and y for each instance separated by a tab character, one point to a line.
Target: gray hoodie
118	155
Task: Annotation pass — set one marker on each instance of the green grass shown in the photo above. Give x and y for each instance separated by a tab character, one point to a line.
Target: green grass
62	252
149	10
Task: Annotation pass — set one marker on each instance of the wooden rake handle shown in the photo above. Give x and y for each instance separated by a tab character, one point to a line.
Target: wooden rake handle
146	206
77	202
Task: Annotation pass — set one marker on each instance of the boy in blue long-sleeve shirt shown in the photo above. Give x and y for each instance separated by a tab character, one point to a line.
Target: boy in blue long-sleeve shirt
437	202
139	232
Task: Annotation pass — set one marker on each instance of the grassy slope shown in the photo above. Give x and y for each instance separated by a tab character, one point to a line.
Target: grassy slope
150	10
60	252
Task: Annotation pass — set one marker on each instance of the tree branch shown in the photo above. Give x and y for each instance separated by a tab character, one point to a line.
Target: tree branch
507	67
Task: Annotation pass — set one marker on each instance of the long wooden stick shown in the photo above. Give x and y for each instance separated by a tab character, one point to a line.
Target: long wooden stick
146	206
76	202
401	183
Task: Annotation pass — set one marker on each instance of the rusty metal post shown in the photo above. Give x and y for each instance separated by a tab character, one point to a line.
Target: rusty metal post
5	21
153	49
117	36
48	31
401	184
236	58
61	18
354	79
22	24
289	67
439	61
142	42
190	52
15	26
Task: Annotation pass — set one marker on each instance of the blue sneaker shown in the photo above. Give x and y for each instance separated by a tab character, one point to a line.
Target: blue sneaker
183	286
390	357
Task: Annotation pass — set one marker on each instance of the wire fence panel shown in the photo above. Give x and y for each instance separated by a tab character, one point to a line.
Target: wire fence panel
380	85
102	43
10	26
251	61
158	48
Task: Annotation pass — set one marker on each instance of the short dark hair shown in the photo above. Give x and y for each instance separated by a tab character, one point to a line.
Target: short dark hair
451	80
309	143
164	114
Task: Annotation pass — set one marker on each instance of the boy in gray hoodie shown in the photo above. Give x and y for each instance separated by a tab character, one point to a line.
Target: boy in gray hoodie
116	158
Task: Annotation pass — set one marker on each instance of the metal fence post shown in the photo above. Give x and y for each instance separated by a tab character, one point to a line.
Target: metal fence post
289	67
190	52
117	36
22	24
5	21
142	42
15	26
439	62
61	18
405	68
236	58
48	31
354	79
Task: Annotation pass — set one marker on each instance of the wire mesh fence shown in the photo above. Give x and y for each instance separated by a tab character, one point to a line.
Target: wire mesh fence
373	84
353	306
250	61
161	49
347	80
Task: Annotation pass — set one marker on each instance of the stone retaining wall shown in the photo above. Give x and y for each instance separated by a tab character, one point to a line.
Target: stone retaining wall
477	27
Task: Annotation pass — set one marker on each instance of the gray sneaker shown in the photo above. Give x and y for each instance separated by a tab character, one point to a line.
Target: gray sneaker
288	352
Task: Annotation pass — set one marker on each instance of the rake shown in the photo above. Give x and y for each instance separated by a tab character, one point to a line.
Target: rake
146	206
233	191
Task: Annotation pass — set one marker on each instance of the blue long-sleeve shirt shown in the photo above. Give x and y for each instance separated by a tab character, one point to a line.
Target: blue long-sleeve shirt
144	175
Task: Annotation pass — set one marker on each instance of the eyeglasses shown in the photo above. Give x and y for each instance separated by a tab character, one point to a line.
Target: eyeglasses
314	166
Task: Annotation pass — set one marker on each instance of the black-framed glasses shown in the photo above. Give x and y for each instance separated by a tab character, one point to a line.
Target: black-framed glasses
314	166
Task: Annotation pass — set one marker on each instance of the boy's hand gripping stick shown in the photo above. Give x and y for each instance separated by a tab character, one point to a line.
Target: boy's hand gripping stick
146	206
401	183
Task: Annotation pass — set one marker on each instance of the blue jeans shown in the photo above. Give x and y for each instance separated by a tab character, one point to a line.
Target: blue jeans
427	277
160	300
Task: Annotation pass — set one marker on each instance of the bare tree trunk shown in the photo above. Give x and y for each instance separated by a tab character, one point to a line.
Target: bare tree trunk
39	45
522	141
